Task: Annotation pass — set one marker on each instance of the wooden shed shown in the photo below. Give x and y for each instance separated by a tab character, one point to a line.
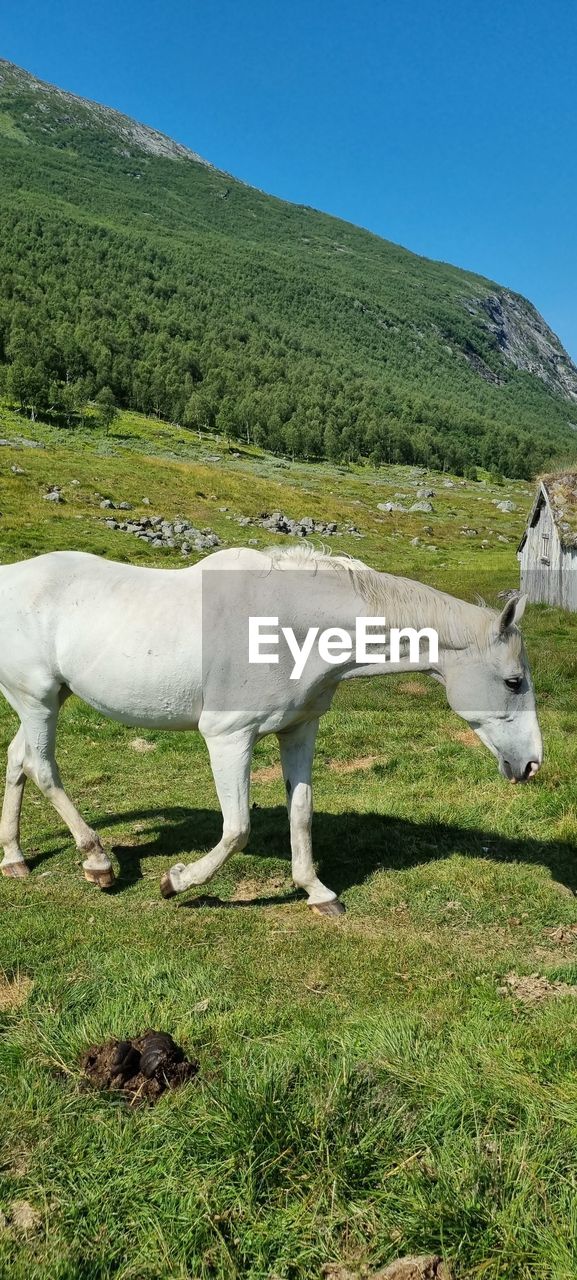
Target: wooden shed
547	551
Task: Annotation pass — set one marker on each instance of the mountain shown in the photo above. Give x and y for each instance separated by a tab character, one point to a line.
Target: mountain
133	271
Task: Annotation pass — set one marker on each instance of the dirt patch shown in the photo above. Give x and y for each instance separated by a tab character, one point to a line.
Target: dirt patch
268	773
14	992
563	935
352	766
466	737
23	1217
142	1068
533	988
247	890
424	1267
141	744
413	687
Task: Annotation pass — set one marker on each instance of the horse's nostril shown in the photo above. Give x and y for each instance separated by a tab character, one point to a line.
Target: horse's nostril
530	769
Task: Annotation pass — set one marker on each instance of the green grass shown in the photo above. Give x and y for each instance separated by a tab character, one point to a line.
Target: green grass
365	1090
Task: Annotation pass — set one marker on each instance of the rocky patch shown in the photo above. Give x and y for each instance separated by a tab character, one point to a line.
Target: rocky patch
158	532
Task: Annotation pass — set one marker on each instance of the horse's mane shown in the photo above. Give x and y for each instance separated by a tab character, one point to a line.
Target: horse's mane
461	623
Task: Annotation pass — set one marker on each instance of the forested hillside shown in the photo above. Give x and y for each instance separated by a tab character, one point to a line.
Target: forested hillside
133	272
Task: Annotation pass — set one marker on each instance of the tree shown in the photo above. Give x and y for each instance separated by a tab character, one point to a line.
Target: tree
106	407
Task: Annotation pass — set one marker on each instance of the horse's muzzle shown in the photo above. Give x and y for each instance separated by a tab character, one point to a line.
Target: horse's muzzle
512	775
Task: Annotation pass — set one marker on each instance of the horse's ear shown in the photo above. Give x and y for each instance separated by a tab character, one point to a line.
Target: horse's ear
512	613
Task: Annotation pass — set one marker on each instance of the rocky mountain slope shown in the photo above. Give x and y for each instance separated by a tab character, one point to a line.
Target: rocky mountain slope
131	268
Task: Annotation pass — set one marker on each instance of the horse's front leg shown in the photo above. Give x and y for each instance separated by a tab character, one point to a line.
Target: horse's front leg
230	759
297	748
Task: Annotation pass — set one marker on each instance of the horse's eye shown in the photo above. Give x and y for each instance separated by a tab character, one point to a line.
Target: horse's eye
514	683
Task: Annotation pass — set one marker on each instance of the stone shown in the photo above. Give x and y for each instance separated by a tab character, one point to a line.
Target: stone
54	496
107	504
506	505
425	493
124	506
17	471
112	524
421	506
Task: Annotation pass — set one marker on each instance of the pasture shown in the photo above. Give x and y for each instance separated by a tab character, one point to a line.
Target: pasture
368	1088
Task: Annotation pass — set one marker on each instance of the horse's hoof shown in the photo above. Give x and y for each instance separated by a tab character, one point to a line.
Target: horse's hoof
333	908
15	870
104	879
166	886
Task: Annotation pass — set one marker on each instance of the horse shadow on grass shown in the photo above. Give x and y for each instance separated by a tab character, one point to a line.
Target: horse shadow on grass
348	847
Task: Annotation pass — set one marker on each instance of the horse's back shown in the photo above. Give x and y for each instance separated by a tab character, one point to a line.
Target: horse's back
125	639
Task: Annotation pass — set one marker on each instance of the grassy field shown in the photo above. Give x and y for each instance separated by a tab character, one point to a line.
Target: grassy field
366	1089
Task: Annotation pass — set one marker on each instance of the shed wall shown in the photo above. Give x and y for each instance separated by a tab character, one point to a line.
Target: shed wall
548	571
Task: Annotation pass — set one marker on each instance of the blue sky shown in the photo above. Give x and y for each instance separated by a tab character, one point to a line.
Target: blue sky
449	126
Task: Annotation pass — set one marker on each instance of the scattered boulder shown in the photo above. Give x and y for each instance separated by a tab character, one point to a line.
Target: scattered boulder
141	1068
421	506
17	471
425	493
54	495
108	505
391	506
506	505
467	532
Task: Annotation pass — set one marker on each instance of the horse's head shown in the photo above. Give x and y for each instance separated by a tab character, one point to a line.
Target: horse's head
489	685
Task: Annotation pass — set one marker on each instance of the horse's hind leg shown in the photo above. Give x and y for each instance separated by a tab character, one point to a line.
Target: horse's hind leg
13	863
297	750
39	721
230	757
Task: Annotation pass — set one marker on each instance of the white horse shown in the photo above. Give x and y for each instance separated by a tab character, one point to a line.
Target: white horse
131	642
